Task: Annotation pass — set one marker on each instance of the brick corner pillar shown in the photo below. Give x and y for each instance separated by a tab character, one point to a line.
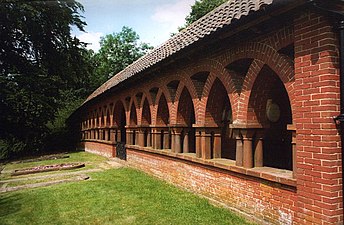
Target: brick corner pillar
316	93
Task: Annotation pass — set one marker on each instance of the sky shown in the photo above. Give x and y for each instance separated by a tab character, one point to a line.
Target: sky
153	20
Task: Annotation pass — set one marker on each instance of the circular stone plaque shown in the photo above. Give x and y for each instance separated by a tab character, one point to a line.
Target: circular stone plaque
273	112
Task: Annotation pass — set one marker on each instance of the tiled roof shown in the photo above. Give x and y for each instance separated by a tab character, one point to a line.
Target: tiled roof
208	24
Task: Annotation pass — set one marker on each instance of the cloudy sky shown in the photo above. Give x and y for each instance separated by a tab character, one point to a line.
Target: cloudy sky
153	20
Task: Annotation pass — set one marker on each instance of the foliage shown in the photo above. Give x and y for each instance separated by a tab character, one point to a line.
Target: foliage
38	59
114	196
199	9
117	51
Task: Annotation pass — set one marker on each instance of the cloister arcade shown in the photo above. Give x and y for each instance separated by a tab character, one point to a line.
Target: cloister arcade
237	106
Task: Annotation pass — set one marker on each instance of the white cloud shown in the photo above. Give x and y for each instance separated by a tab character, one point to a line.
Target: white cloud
92	39
172	15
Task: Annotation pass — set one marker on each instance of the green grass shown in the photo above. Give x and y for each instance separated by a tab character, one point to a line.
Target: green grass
91	161
114	196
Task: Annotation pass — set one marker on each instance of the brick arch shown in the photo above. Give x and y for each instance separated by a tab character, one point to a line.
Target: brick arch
108	116
181	107
231	93
118	107
185	81
266	54
161	92
161	85
216	69
162	104
132	113
145	112
216	102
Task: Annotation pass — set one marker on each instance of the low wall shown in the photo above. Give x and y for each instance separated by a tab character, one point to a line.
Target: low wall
263	200
103	148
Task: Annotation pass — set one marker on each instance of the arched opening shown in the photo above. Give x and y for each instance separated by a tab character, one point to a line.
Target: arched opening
163	137
120	122
146	121
186	117
163	115
269	105
219	116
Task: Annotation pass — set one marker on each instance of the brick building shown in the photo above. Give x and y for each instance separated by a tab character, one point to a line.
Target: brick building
239	108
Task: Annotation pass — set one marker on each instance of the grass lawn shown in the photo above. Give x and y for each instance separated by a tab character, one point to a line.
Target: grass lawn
113	196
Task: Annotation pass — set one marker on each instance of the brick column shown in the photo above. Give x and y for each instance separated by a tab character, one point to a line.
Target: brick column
316	90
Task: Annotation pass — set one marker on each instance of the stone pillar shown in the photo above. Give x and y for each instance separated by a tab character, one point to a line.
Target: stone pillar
291	128
130	134
198	144
239	147
173	140
156	138
141	137
217	144
258	150
106	135
136	133
206	144
149	138
247	149
186	141
111	135
166	139
177	141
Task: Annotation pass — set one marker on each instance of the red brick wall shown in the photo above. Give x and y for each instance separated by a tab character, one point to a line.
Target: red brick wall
319	177
266	201
99	148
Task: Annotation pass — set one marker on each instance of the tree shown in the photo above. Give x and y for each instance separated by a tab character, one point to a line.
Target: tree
199	9
117	51
38	61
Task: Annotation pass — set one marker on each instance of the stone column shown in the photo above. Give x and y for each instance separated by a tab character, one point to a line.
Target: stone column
149	138
247	148
141	137
259	151
206	144
291	128
217	144
177	140
186	141
106	136
239	147
198	144
173	140
156	138
166	144
136	133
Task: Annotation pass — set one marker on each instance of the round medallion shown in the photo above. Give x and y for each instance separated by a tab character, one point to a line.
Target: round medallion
273	112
